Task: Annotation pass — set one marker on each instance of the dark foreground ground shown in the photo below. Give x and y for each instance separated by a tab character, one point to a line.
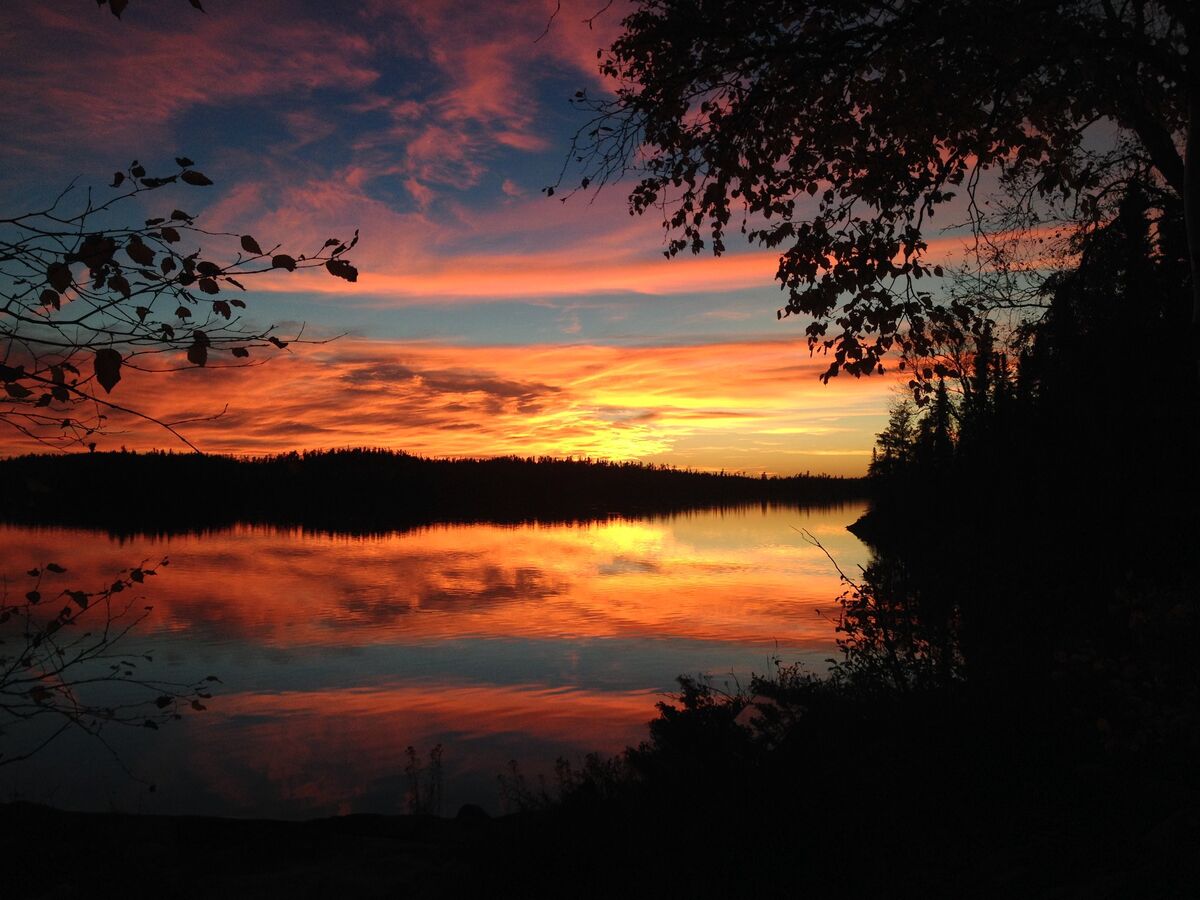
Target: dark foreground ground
1094	837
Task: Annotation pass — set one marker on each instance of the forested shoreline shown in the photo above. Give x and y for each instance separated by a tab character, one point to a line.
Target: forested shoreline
362	490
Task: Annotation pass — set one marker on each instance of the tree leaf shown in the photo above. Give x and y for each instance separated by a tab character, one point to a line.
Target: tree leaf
342	269
240	352
209	286
118	177
222	308
121	284
250	245
108	368
59	276
51	298
139	252
183	162
197	353
283	261
183	312
194	178
169	234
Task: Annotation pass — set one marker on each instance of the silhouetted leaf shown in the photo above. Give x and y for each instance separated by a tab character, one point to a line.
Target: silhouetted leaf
198	706
55	568
142	312
139	252
197	179
169	234
118	177
50	298
240	352
33	596
136	170
197	353
179	215
277	342
80	598
164	701
183	312
234	301
283	261
250	245
59	276
108	368
222	308
120	284
183	162
209	286
17	391
207	268
342	269
11	373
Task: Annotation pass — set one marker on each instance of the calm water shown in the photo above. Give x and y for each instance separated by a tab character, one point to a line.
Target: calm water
501	643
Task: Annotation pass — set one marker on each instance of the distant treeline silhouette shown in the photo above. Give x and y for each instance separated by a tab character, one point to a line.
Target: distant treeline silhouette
368	490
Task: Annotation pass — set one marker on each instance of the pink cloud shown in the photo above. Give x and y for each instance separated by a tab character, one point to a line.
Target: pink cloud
156	75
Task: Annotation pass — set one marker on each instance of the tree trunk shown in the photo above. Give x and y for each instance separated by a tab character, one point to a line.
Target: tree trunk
1191	214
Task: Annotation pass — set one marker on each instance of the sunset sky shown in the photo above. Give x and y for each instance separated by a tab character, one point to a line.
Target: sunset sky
487	318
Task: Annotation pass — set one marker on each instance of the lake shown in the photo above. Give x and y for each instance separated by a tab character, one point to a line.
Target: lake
500	643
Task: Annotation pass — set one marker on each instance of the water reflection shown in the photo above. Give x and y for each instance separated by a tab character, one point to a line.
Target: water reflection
520	642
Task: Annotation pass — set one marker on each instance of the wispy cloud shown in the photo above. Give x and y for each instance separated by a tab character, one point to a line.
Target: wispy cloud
707	406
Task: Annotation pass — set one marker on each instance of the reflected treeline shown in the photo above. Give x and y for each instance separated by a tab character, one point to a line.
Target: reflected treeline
369	491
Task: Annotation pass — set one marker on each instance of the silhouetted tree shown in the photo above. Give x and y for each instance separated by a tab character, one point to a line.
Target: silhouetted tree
83	300
836	131
896	442
63	663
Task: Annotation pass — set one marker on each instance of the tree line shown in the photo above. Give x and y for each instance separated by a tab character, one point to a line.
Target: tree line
370	490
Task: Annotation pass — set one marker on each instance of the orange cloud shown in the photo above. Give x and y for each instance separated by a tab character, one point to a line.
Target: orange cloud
754	406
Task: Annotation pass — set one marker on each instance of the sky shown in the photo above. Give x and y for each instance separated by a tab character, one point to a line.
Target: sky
487	318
